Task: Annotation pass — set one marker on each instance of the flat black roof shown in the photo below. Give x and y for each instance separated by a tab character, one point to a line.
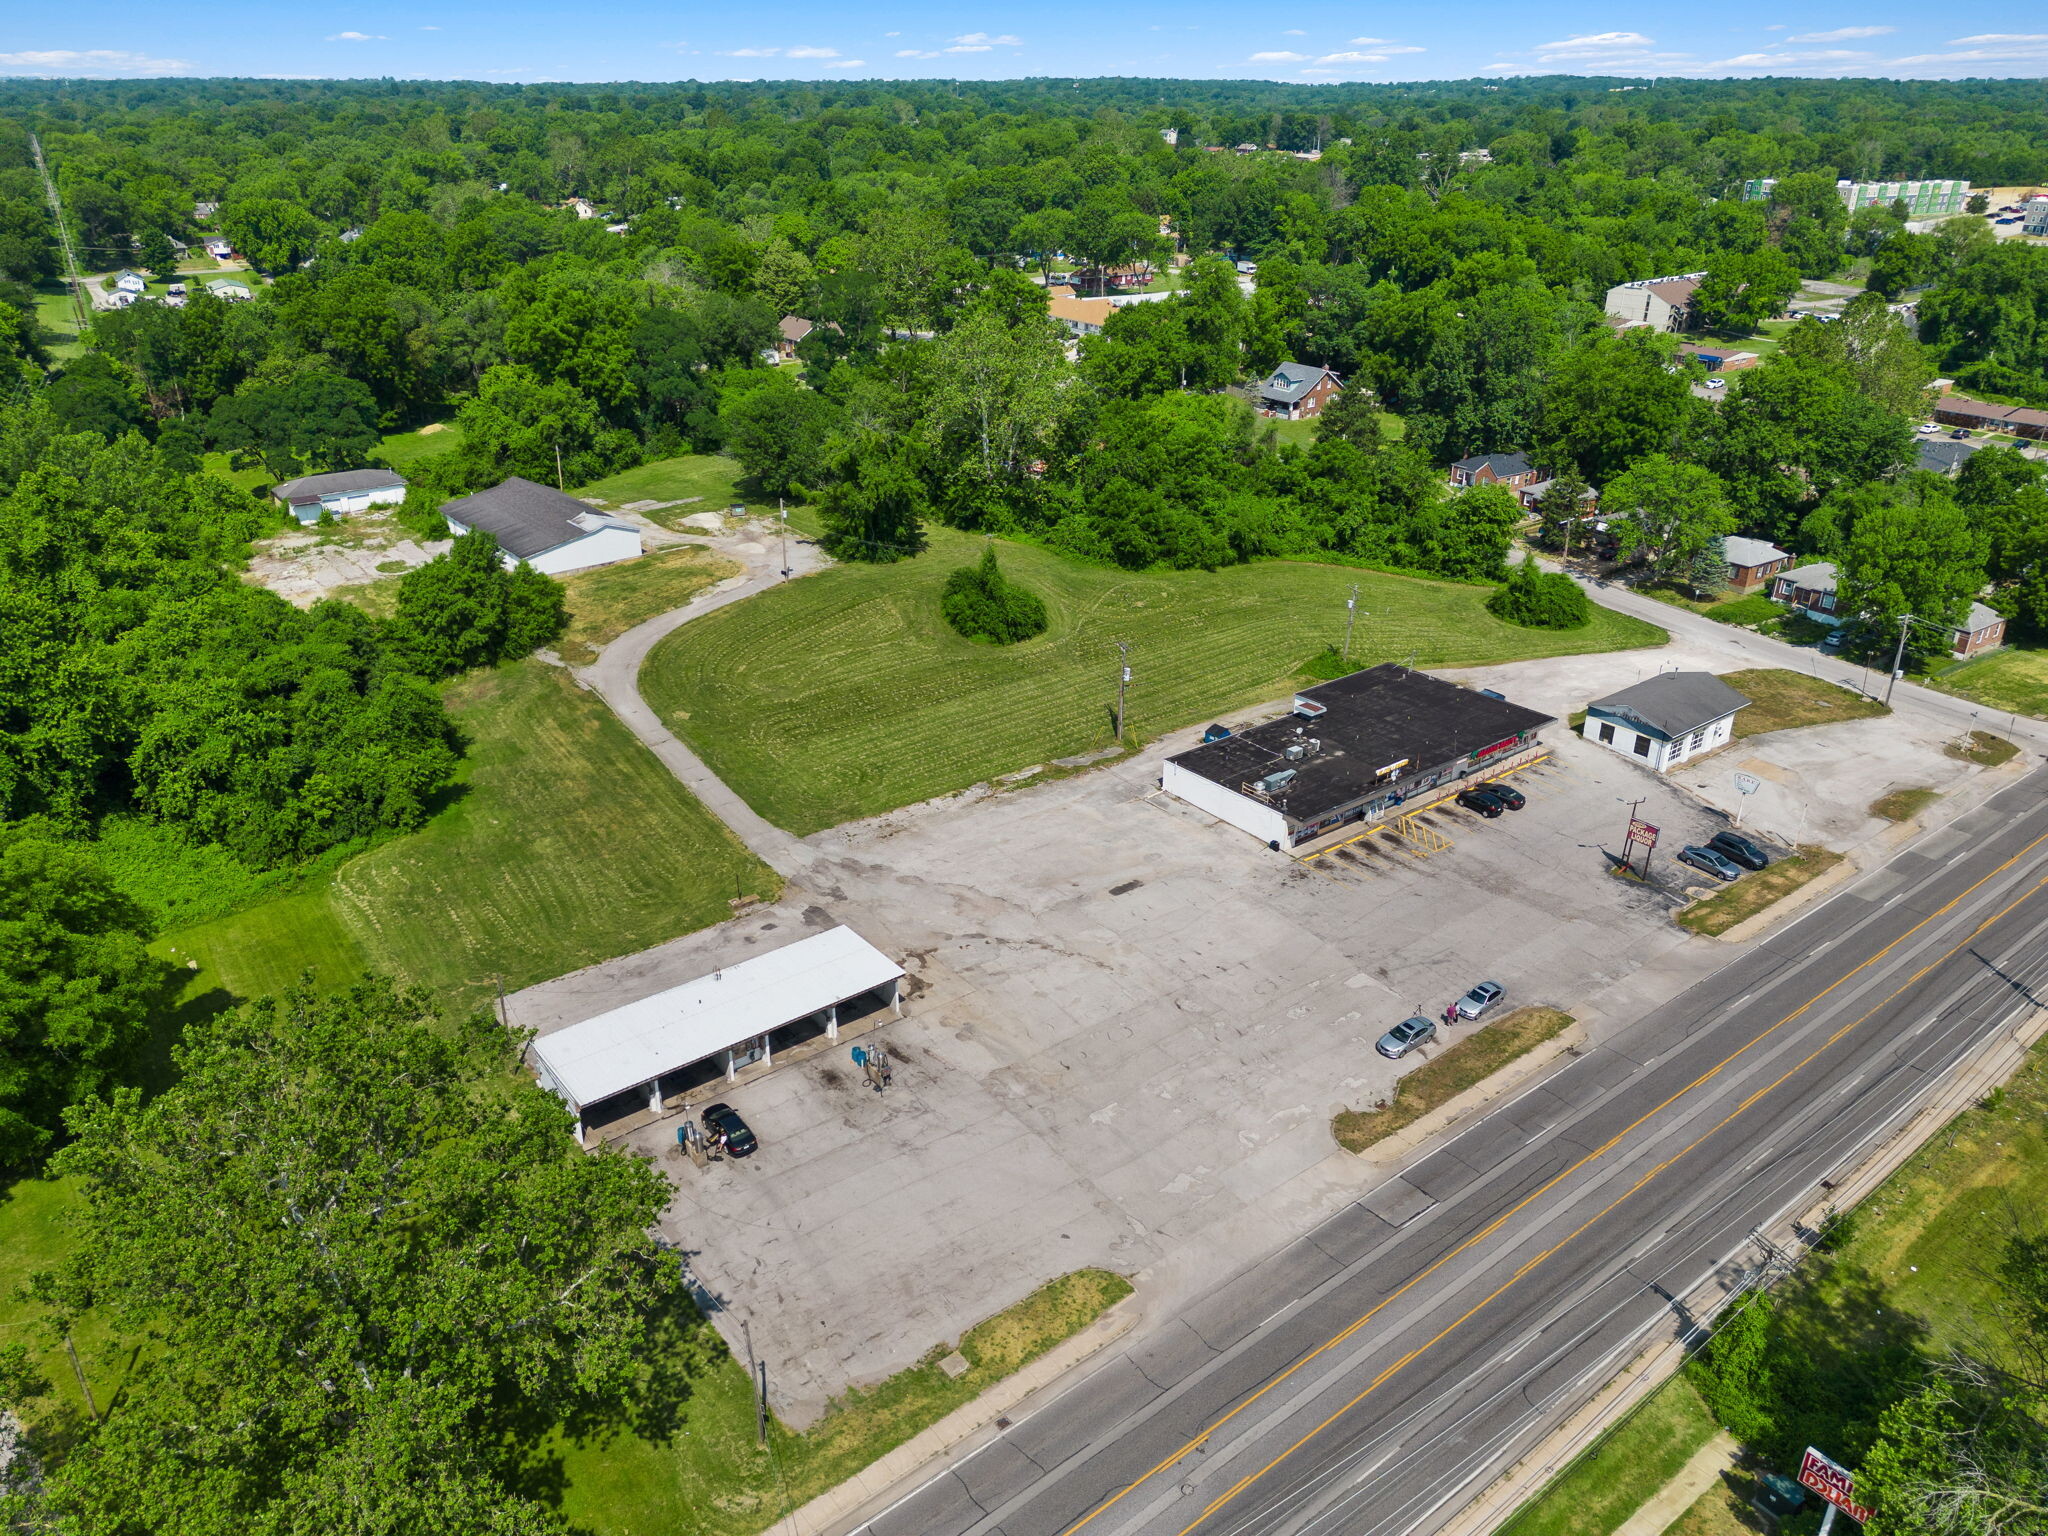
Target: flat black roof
1371	721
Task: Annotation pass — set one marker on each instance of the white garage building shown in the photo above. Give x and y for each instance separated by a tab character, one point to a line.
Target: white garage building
539	526
339	493
647	1055
1667	719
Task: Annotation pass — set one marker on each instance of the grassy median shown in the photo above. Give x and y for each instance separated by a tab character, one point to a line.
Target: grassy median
1983	749
1450	1072
1627	1465
1903	804
1716	914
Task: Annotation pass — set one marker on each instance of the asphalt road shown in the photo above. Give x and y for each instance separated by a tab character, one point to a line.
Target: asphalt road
1375	1374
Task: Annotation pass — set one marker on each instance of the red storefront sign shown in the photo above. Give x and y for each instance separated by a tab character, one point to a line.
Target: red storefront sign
1832	1481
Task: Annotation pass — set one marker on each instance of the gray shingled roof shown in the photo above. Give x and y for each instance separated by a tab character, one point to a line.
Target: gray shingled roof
526	518
341	482
1502	464
1290	381
1942	455
1672	703
1750	553
1817	577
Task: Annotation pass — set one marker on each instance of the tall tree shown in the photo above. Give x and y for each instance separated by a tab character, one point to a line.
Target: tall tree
1665	512
1921	559
1612	400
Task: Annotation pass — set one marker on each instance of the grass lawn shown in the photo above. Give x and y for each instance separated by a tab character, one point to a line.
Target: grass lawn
1751	894
845	694
605	603
1303	433
402	450
34	1236
1781	700
222	464
1461	1065
1612	1478
1723	1510
568	844
710	1478
705	482
1751	612
1903	804
1768	338
59	321
2014	682
1983	748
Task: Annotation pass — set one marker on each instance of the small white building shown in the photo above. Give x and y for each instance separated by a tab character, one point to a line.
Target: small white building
539	526
340	493
645	1057
130	282
1665	720
229	291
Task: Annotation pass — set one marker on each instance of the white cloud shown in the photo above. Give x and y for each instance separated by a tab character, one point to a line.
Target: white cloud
969	48
750	53
87	61
848	64
892	34
1841	34
1819	56
1382	45
917	53
812	53
358	37
1998	37
1278	57
1596	43
1352	58
1988	48
430	29
976	41
1294	32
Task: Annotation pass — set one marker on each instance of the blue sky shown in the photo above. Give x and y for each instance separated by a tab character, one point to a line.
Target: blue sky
520	40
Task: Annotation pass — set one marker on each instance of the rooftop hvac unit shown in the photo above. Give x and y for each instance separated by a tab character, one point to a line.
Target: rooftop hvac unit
1273	783
1309	709
1295	753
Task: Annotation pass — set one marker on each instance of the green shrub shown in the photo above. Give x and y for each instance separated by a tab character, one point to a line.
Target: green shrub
464	609
982	605
1538	599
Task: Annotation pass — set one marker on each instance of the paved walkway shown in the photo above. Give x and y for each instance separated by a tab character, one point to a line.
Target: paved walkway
615	678
1664	1507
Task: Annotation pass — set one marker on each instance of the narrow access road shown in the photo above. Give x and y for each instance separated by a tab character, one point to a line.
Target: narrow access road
1372	1376
615	678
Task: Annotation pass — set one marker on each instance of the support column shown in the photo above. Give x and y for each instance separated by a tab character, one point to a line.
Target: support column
896	996
654	1096
767	1052
731	1065
832	1022
579	1130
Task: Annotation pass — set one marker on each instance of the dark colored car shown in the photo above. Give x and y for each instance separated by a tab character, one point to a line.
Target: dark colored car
1961	434
1216	733
1507	795
1405	1037
1738	849
1479	800
723	1125
1710	861
1481	1000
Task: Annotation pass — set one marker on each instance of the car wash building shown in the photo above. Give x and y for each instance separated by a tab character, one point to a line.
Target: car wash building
1353	750
621	1069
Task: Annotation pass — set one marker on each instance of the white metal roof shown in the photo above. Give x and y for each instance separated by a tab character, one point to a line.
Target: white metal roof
633	1045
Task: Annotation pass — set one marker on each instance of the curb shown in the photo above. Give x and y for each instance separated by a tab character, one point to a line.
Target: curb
1402	1144
1993	1063
862	1496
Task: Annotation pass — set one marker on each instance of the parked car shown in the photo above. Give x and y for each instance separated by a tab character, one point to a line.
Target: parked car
1717	383
1710	861
1834	639
1960	434
1482	999
1927	426
1216	733
1507	795
1479	800
1405	1037
1734	846
723	1125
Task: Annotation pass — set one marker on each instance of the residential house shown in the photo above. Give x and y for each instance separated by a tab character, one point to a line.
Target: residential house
130	282
1662	303
539	526
582	207
1719	359
1752	562
121	298
201	212
1666	719
1810	588
228	289
219	250
1081	317
1298	391
352	234
339	493
1983	629
1510	469
1531	494
1982	416
1942	455
791	330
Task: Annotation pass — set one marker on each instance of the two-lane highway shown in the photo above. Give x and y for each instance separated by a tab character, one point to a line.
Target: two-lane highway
1374	1374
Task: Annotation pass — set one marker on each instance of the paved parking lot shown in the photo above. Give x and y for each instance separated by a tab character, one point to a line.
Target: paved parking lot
1128	1028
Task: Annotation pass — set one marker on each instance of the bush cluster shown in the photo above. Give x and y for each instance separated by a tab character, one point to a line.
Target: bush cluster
982	604
1538	599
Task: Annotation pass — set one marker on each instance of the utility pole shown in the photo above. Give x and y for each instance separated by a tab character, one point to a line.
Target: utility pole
1123	682
79	1371
1350	614
558	468
1898	656
78	300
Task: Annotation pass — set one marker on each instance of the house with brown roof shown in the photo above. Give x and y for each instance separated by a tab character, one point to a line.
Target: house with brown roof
1662	303
1081	317
1510	469
792	329
1982	416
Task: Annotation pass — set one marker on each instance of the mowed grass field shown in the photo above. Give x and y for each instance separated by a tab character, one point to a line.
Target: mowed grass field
702	482
2013	681
845	694
569	843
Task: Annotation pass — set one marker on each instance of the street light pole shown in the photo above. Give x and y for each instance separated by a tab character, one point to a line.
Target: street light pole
1350	614
1123	681
782	512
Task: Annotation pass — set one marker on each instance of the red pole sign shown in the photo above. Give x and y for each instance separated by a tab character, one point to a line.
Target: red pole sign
1833	1482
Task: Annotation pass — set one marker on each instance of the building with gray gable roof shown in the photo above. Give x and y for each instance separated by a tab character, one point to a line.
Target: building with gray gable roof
1298	391
1666	719
539	526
